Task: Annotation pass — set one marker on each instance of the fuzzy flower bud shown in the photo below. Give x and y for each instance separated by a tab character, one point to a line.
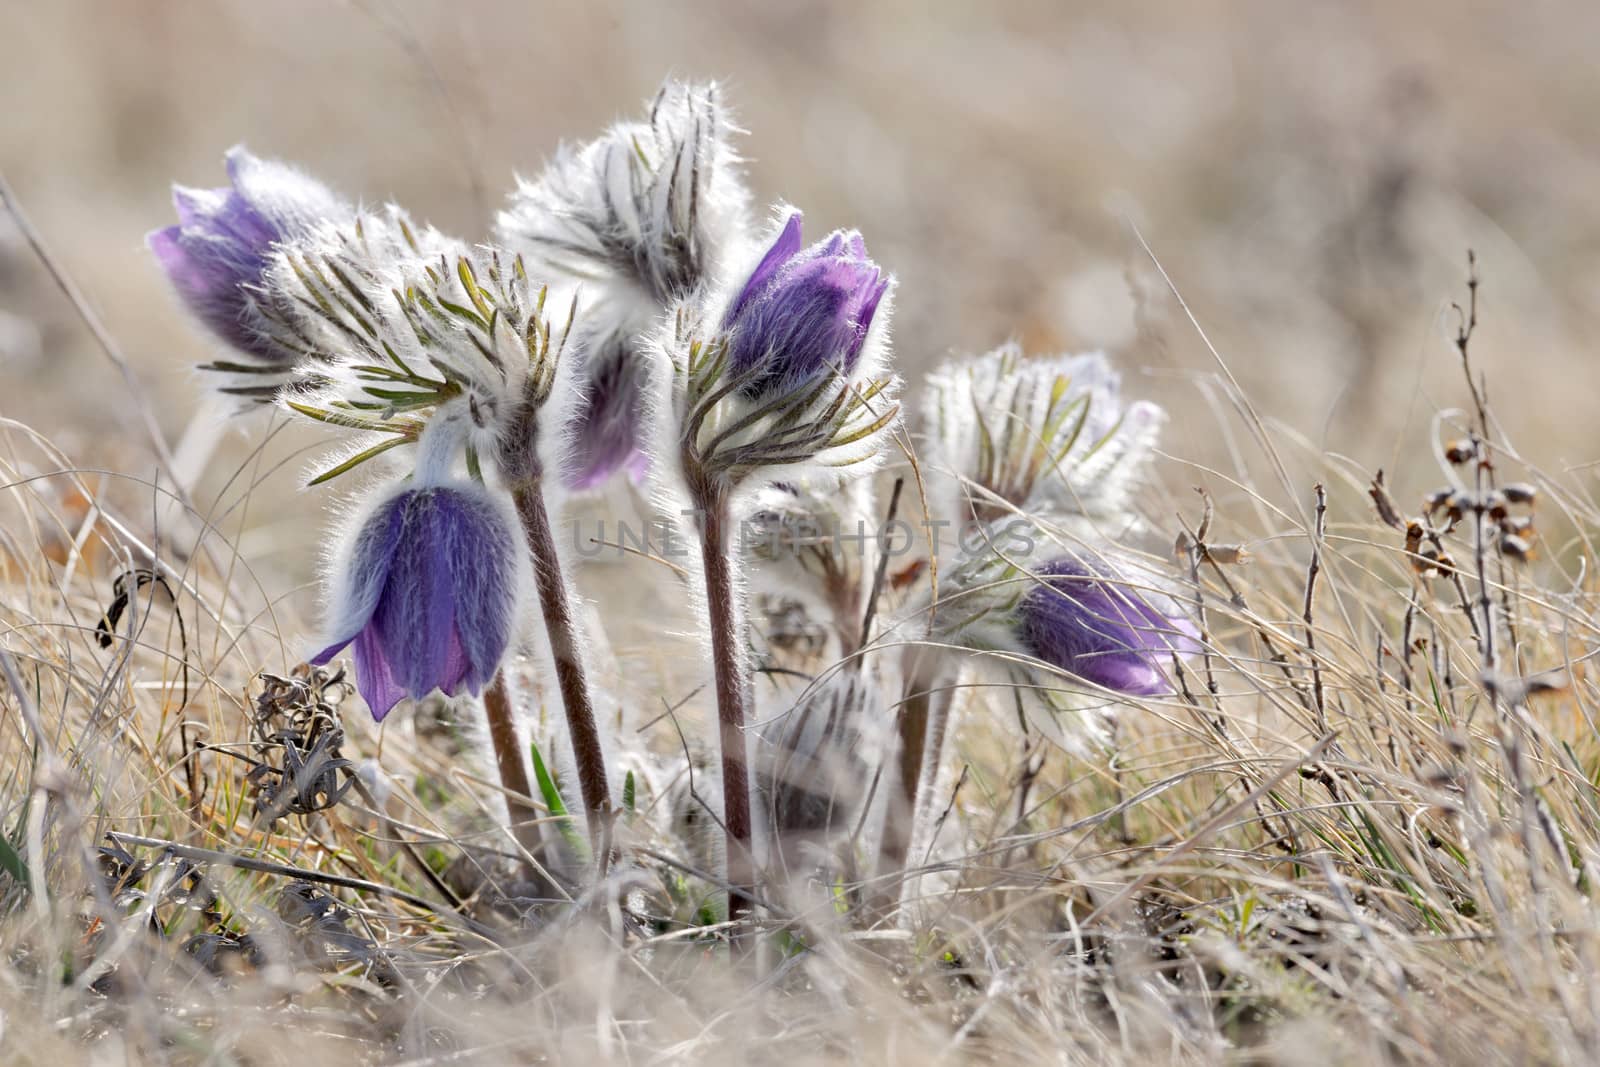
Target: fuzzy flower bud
606	435
1085	621
1049	436
218	253
639	218
645	212
427	590
803	311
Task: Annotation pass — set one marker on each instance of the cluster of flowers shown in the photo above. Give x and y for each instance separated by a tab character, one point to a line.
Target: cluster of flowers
626	320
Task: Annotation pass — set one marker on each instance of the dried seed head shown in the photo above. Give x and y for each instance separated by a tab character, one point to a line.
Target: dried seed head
1521	525
1462	451
1458	503
1387	512
1431	563
1436	499
1516	547
1228	555
1519	493
1413	536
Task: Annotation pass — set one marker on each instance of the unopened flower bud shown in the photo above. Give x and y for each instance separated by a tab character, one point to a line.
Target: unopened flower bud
803	312
216	255
607	434
1086	622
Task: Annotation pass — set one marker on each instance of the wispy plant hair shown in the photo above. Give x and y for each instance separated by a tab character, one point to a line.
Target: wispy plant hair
1047	436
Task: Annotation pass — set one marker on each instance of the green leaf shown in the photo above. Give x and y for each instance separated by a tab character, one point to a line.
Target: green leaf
558	807
352	422
358	459
12	863
628	793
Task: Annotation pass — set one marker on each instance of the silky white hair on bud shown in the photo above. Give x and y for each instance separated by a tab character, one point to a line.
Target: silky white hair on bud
282	192
810	760
1048	436
423	325
643	214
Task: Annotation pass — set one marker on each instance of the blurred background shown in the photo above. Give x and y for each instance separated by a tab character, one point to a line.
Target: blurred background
1310	176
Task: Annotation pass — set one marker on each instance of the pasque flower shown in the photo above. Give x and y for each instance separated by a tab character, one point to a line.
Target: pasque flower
803	311
216	255
427	591
607	434
1084	620
639	218
772	380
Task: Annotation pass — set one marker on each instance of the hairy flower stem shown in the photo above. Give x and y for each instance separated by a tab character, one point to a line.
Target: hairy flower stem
924	711
732	685
509	762
567	651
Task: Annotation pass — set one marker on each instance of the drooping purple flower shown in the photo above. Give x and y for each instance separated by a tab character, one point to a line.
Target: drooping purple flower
1086	621
607	435
217	253
804	311
427	592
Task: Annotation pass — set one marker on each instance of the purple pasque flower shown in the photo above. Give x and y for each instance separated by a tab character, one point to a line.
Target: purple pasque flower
427	590
607	434
1086	621
217	253
804	311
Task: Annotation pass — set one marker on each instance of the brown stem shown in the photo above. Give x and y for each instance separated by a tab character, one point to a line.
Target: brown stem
728	662
924	714
567	652
509	762
900	822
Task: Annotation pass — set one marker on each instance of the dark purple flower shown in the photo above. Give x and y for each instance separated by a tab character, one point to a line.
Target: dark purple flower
804	311
428	595
1086	621
607	434
215	256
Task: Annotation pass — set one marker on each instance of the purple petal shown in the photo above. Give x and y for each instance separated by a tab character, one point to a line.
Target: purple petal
807	324
457	668
480	547
194	205
217	255
167	244
1088	624
864	315
785	248
416	614
364	572
608	431
374	675
807	315
321	658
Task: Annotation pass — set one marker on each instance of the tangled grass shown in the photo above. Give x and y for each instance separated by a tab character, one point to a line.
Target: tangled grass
1366	828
